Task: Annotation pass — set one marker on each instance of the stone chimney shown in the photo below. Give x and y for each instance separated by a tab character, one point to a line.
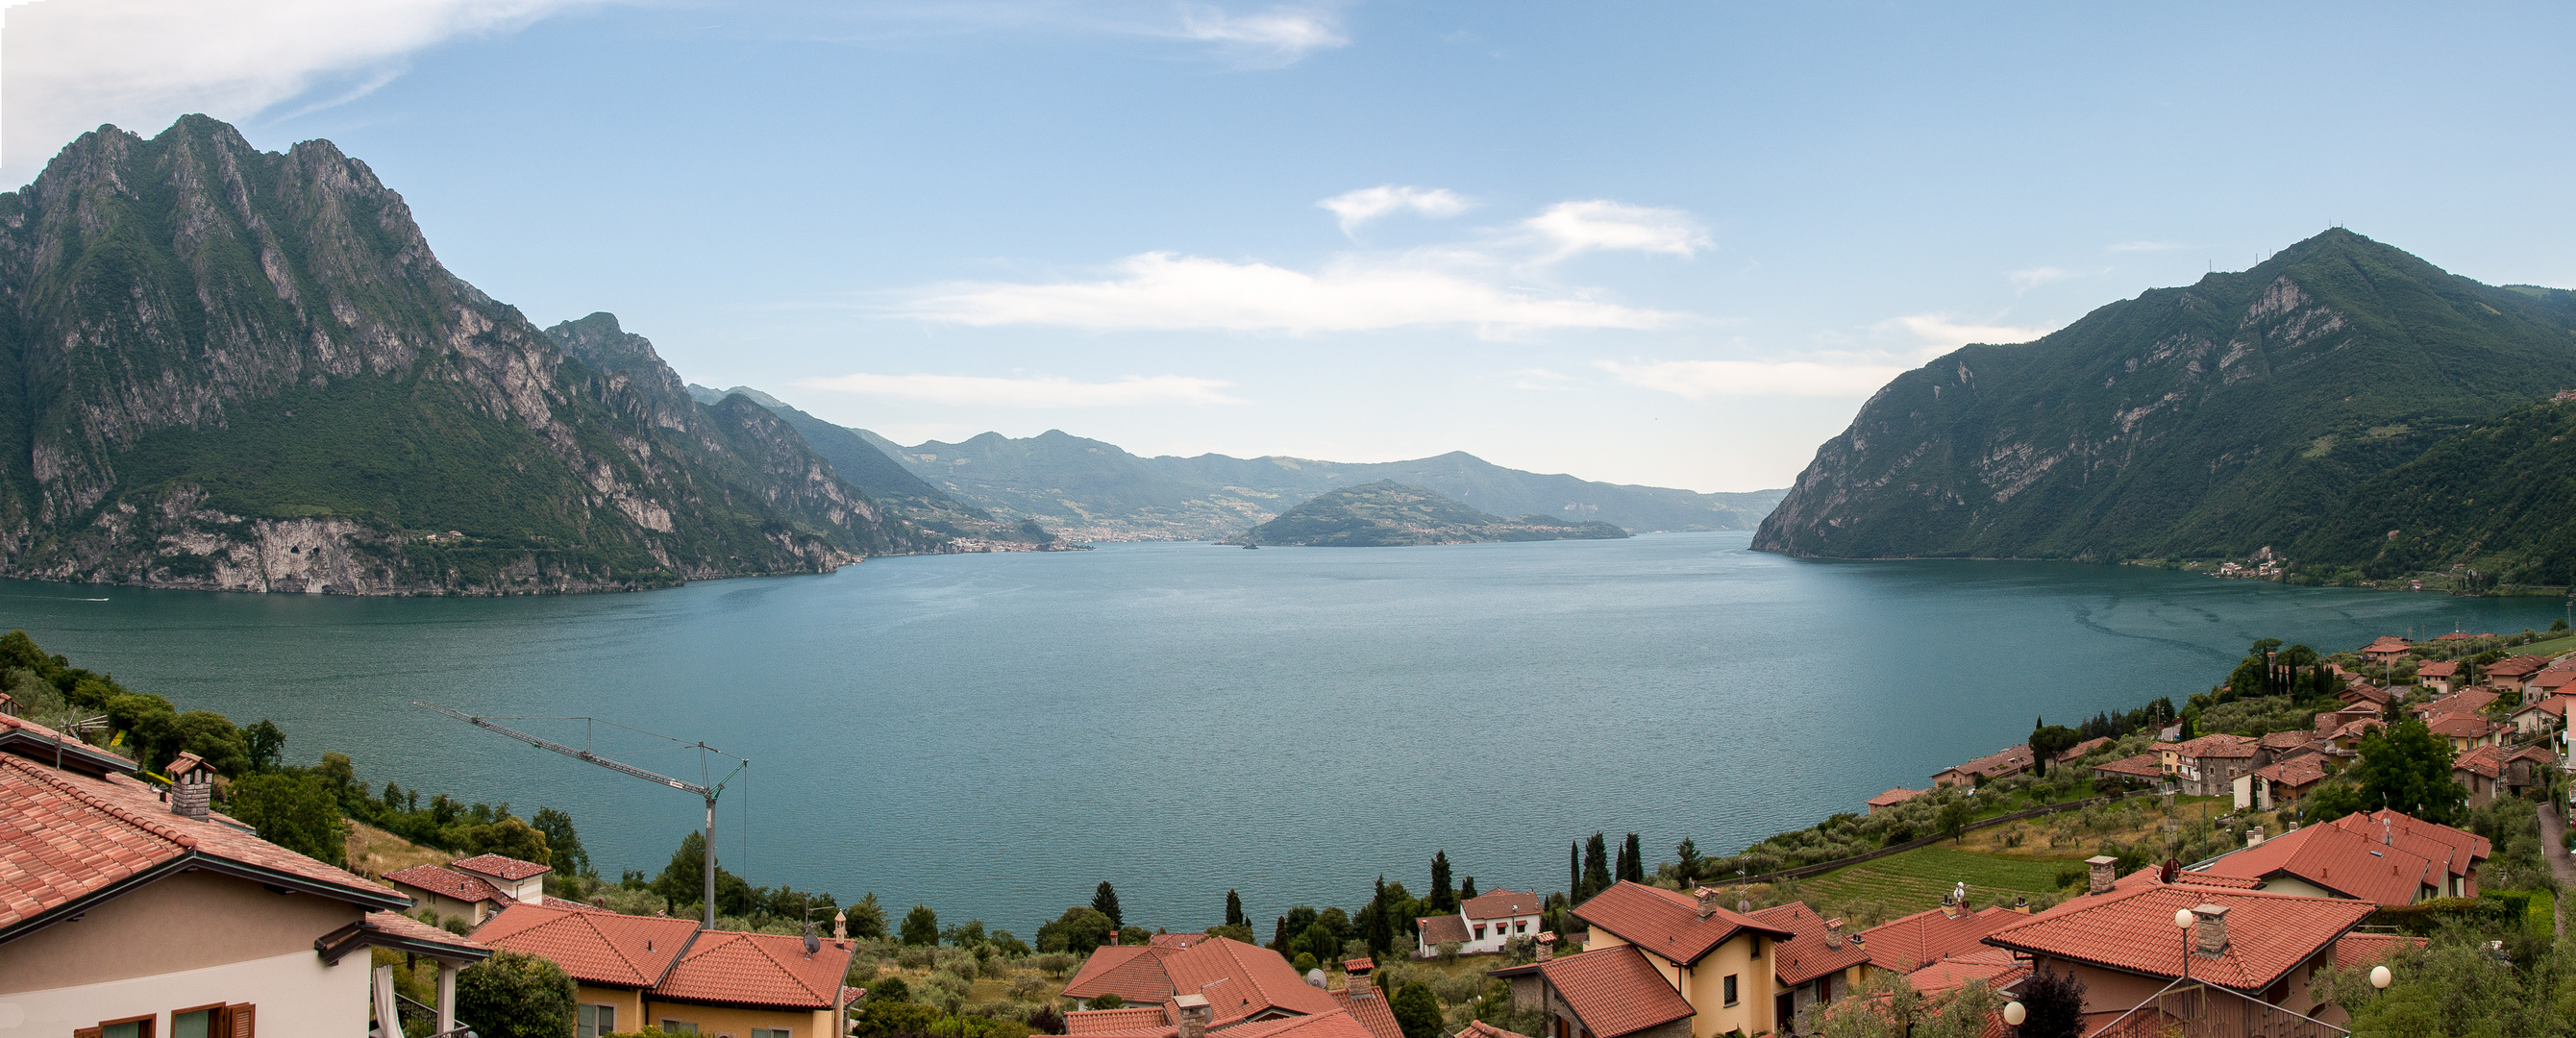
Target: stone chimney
1546	947
840	925
1359	986
1195	1014
2106	873
1707	901
1834	934
2209	929
191	784
2254	836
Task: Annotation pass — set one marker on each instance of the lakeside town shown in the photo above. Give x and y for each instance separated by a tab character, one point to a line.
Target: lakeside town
2268	853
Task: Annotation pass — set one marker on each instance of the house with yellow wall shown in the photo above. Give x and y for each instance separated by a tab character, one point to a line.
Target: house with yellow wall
633	972
1665	964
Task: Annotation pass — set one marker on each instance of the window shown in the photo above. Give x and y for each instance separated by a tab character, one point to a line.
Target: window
595	1021
770	1032
1520	927
1730	989
675	1027
1480	933
1757	946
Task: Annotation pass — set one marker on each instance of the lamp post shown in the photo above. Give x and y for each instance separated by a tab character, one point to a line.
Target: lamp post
2379	977
2014	1014
2182	922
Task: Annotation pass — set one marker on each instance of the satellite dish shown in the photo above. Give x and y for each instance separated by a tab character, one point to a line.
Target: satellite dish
812	943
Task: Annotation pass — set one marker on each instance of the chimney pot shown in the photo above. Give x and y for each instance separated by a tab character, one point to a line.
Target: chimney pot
2105	873
1707	901
2209	927
191	785
2254	836
1546	947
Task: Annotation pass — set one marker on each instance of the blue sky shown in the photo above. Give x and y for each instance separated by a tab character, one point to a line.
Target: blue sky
1665	244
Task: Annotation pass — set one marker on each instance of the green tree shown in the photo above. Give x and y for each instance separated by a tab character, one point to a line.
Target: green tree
1687	867
266	743
511	995
1234	910
2406	768
965	935
293	810
867	918
1635	869
1289	926
1596	868
1318	941
1954	818
1105	901
1079	930
2055	1002
1444	897
683	880
212	737
1417	1010
1466	890
921	926
2049	740
512	838
1107	1000
1573	870
562	839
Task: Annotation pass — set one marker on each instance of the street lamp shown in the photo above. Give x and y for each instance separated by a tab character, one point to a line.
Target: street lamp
2182	922
2379	977
2014	1014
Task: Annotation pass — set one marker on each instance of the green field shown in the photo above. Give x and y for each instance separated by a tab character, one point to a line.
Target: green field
2551	647
1917	879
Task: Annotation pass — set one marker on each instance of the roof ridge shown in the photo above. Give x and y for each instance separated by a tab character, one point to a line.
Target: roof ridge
185	840
584	918
773	960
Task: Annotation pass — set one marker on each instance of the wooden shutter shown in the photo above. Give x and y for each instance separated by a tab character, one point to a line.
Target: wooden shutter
239	1021
85	1032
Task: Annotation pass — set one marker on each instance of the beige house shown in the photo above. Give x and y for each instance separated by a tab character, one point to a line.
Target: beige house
631	972
473	889
1667	965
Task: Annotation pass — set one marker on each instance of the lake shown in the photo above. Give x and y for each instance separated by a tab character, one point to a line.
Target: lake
993	735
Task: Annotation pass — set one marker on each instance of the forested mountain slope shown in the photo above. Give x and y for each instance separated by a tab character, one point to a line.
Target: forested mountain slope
227	368
2207	421
1389	514
889	483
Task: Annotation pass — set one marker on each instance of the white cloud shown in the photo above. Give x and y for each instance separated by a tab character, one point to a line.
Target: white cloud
142	63
2143	246
1281	35
1164	291
1574	227
1039	391
1701	379
1369	203
1940	334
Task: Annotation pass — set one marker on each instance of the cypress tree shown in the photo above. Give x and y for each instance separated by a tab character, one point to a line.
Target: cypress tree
1443	897
1636	871
1234	910
1574	869
1467	890
1596	868
1105	902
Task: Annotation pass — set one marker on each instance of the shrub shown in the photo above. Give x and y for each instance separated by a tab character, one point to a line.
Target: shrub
1108	1000
511	995
878	1019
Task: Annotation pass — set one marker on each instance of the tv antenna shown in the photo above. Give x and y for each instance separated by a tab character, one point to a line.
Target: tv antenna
707	921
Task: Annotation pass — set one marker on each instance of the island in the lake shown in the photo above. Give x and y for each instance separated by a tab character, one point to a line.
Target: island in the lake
1387	513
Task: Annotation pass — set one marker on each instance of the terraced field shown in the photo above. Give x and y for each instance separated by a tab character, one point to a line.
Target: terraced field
1917	879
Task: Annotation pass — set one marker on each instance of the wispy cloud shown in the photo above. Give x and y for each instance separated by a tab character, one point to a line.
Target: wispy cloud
1368	203
2143	246
1164	291
1038	391
1280	35
1601	224
142	63
1940	333
1702	379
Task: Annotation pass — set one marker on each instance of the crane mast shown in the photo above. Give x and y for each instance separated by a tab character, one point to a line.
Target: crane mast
707	920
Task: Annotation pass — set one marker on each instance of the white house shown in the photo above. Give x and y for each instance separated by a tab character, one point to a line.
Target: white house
1482	924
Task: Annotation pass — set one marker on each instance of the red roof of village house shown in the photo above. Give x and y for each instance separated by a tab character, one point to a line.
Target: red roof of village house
2221	745
65	836
2338	860
1332	1023
410	929
1372	1012
1995	966
2144	765
2437	669
2486	761
2460	726
2297	772
1814	952
2356	729
2517	666
2132	930
2458	849
1910	943
2464	701
1437	930
1121	1020
1896	796
2356	950
1501	904
495	865
2278	741
2363	691
1175	941
1258	980
2082	748
1133	972
1666	922
2003	762
2534	752
2551	680
2554	706
768	970
1481	1029
2388	643
438	879
604	948
1614	991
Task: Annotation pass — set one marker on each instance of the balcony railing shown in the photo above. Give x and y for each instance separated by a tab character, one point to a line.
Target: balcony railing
2199	1011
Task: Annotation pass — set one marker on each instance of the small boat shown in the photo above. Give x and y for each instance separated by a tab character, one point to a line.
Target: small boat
1248	546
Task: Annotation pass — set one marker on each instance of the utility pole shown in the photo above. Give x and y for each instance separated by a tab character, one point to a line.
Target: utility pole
707	920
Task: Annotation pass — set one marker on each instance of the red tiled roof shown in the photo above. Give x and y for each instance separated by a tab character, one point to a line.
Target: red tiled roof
1481	1029
438	879
66	835
2207	879
2486	761
2458	849
767	970
495	865
1358	965
1123	1018
1896	796
1437	930
2464	701
2217	746
2516	667
1331	1023
1133	972
2553	678
2388	643
2356	950
1995	966
2361	689
1258	980
2297	772
2460	726
2534	752
2277	741
551	901
1666	922
2085	747
1908	944
1175	941
1501	904
2337	860
2144	765
1614	991
605	948
2554	706
1811	954
2355	729
1372	1012
2438	668
2133	930
2003	762
400	925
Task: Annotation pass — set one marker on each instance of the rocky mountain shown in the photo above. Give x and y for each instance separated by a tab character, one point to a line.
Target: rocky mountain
1387	513
232	369
1092	490
2247	410
892	485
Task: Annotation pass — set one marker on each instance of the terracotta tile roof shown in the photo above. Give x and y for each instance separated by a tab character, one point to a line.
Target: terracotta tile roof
1258	980
2460	726
2484	761
41	744
1896	796
1175	941
604	948
1666	922
2277	741
2388	643
2010	761
2438	668
1501	904
2298	772
65	835
2133	930
767	970
2337	860
2464	701
1912	942
1133	972
1371	1011
406	927
2356	950
1331	1023
2516	667
1614	991
2085	747
2144	765
2457	849
2356	729
2554	706
1359	965
1481	1029
551	901
1123	1018
495	865
1812	953
2205	879
2551	680
1995	966
2364	691
2220	746
1437	930
2534	752
438	879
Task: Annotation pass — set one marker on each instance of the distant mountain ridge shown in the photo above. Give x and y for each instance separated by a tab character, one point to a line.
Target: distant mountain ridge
231	369
2247	410
1091	490
869	469
1390	514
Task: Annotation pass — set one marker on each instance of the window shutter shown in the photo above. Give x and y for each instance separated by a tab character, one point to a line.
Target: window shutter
243	1021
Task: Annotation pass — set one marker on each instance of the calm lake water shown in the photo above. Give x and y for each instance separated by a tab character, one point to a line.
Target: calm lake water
993	735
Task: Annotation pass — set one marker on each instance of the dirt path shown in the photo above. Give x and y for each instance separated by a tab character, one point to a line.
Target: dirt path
2553	842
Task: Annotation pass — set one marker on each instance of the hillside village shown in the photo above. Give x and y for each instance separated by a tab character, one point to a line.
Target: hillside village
2208	820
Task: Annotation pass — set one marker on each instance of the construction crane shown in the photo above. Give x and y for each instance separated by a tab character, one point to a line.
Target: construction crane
707	921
